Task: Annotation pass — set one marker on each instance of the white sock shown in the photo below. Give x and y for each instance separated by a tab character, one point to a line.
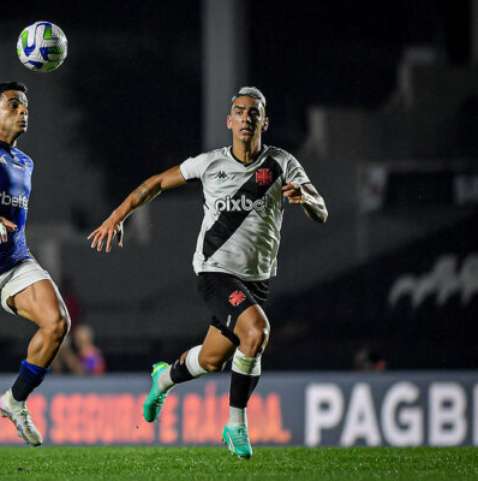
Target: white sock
165	382
249	366
192	364
11	401
237	416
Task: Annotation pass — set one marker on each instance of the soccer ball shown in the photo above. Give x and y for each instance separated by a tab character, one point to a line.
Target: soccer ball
42	47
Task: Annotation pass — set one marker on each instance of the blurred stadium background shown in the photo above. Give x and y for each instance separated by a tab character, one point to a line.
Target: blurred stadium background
378	100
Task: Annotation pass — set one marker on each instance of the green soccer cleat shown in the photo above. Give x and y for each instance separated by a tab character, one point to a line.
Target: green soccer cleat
237	440
155	399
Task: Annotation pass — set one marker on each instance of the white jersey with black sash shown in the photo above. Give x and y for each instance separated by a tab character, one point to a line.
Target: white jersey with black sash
243	210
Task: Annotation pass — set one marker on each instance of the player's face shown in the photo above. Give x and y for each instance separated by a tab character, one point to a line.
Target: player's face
247	119
13	113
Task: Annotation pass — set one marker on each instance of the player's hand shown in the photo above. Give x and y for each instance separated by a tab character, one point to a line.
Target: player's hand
6	226
107	231
293	193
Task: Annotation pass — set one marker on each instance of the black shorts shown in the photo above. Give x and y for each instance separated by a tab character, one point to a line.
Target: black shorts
227	297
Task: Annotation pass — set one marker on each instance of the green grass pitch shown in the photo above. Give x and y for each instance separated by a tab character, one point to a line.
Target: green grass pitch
211	464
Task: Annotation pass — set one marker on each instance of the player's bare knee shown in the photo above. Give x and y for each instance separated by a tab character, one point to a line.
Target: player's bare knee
57	327
252	340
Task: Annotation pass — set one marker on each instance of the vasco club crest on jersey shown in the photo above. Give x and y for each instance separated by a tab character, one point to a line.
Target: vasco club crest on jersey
264	176
236	298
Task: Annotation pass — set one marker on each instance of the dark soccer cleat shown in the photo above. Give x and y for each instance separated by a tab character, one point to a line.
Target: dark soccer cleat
155	399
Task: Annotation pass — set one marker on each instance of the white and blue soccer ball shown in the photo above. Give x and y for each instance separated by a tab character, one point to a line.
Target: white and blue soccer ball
42	46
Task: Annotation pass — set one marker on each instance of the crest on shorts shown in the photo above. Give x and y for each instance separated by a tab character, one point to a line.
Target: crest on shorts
264	176
236	297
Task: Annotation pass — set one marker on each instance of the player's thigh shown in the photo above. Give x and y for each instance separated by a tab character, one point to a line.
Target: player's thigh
216	348
40	303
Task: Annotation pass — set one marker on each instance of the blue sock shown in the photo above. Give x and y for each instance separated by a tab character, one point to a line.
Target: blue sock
29	377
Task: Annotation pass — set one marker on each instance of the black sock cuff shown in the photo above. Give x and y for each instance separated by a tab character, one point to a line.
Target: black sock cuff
180	373
242	386
28	379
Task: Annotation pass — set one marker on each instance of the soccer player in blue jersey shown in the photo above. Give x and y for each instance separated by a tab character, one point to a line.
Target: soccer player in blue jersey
26	289
245	186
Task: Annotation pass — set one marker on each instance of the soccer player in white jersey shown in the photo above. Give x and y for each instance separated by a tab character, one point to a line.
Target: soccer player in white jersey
245	186
26	289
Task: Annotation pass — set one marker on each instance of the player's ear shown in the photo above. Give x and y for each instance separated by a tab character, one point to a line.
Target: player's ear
266	124
228	122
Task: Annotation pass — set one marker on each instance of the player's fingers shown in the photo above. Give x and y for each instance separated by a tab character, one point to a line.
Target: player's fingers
292	194
96	239
99	245
296	199
3	234
291	189
287	186
10	226
92	234
108	240
291	185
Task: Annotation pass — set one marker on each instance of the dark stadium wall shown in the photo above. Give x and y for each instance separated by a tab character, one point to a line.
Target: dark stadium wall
416	305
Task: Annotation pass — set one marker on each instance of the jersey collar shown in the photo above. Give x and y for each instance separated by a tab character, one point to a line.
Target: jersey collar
265	148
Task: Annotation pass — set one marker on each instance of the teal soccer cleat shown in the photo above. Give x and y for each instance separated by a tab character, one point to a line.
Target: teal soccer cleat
237	440
155	399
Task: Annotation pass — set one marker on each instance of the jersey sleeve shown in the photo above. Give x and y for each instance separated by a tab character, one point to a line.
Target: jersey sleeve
193	167
295	172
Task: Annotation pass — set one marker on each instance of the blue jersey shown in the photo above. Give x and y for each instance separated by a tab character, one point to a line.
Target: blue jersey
15	186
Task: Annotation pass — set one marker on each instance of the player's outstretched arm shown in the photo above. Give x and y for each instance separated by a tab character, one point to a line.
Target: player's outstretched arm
307	196
113	226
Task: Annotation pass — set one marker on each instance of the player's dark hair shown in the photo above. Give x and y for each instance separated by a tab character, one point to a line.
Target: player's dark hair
4	86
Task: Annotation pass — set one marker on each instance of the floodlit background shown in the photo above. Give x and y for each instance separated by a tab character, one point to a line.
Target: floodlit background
378	100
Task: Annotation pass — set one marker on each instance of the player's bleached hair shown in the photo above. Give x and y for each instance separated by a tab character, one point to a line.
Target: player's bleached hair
4	86
253	92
